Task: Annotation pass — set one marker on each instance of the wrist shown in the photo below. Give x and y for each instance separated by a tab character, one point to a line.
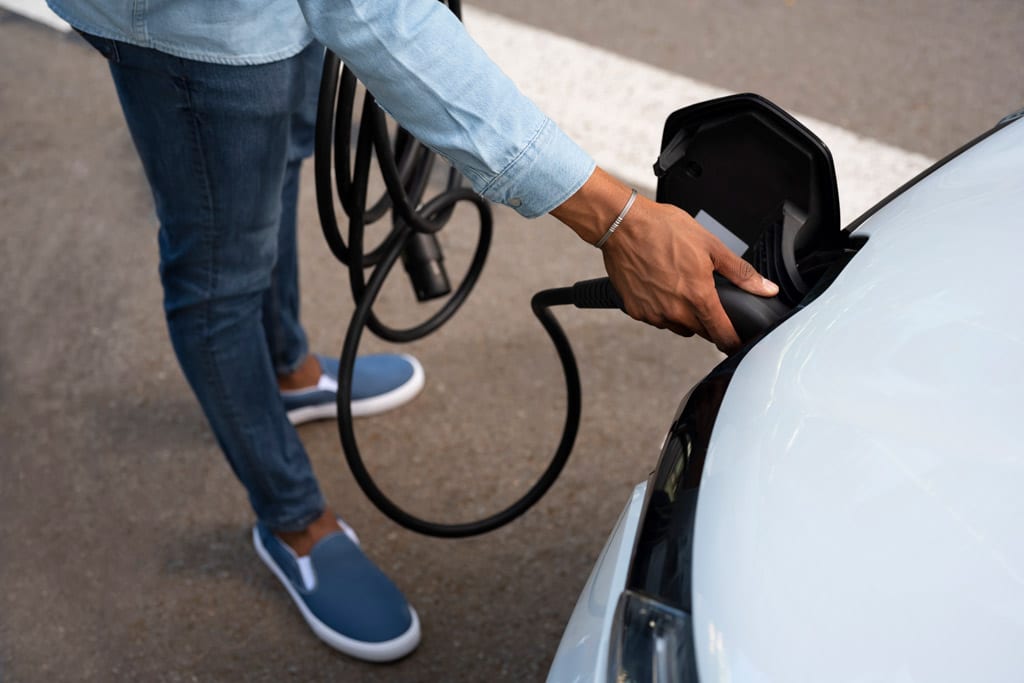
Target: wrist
592	210
618	220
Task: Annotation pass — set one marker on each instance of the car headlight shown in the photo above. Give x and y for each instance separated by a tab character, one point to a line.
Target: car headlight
652	633
651	642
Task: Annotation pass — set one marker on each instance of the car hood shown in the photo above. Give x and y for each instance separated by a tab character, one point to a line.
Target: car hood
861	512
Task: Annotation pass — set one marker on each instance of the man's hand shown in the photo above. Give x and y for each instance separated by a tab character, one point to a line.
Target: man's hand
661	261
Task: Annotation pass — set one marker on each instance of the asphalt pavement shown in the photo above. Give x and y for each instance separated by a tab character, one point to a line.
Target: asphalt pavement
124	539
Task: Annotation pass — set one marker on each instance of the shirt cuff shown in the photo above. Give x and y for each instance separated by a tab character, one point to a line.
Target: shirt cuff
549	170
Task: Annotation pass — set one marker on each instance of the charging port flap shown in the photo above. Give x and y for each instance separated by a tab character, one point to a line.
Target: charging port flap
761	181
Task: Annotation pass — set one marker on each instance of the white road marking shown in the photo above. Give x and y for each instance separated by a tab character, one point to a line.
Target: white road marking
615	107
37	11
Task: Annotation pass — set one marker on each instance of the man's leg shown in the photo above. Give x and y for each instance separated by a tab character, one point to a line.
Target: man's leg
213	141
286	338
381	382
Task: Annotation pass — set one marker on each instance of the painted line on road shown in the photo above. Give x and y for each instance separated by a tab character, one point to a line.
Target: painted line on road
35	10
615	107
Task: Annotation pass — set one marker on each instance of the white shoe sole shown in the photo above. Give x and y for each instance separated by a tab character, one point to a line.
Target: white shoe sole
386	651
365	407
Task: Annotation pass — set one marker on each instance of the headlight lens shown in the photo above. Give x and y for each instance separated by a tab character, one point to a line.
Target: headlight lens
652	634
651	642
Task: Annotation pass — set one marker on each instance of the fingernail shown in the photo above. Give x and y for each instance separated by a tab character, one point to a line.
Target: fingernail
770	286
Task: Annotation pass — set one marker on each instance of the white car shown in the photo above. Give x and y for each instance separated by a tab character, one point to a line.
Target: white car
843	500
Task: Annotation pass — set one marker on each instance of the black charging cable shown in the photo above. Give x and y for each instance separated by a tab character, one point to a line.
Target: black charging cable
406	165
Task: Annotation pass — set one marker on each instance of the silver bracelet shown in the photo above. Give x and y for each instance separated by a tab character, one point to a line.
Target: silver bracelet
618	221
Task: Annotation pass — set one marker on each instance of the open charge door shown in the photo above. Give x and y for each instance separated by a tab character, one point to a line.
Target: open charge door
764	184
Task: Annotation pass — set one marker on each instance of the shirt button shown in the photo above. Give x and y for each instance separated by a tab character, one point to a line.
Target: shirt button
515	202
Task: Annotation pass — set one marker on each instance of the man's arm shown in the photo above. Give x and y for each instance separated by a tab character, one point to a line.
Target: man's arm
426	71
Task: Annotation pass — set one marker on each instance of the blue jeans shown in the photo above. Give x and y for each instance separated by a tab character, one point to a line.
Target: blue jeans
222	148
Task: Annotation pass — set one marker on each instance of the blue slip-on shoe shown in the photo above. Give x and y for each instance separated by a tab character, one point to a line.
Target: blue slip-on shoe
380	382
348	602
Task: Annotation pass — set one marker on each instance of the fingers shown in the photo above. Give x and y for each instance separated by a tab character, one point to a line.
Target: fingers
704	317
741	273
716	324
681	330
717	330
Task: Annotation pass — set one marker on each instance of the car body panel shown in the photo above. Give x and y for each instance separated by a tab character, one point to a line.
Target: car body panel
582	655
860	512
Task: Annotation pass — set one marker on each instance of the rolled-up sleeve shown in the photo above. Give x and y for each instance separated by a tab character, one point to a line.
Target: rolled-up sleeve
427	72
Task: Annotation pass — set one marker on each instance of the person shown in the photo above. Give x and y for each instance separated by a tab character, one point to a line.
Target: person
219	99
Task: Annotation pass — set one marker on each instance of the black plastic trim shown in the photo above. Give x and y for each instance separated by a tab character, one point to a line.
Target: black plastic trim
661	562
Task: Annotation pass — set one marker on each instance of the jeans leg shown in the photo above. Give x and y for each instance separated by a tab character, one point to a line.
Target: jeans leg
285	335
213	141
286	339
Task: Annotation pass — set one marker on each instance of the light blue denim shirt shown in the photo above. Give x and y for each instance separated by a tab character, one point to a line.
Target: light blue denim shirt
413	55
